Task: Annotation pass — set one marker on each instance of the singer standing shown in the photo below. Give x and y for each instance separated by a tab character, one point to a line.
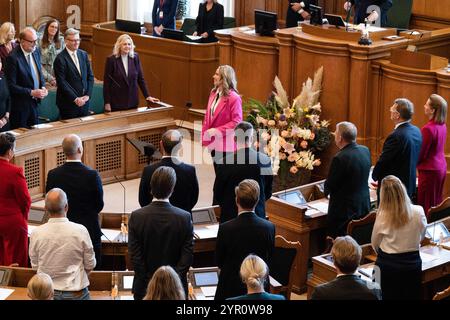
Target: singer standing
123	75
74	78
298	11
15	204
26	81
360	9
84	190
163	15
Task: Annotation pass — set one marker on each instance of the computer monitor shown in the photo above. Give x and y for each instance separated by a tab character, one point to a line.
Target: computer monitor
5	276
316	14
37	216
173	34
204	277
335	20
203	216
435	230
125	280
128	26
265	22
293	197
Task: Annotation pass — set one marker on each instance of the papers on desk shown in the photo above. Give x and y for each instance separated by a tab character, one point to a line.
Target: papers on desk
87	118
5	293
142	109
209	291
206	231
250	32
110	234
126	297
242	29
194	38
317	208
367	272
42	126
446	245
426	257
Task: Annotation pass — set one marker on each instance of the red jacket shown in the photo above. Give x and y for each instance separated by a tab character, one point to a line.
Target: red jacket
14	196
432	154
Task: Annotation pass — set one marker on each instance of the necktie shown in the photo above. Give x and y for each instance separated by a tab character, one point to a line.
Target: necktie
77	64
33	73
214	106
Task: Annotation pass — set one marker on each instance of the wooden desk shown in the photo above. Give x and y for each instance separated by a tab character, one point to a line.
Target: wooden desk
298	223
21	294
434	270
104	140
175	71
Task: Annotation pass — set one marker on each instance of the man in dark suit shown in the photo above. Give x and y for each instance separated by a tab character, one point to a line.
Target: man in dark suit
240	237
74	78
26	81
245	163
361	6
349	198
401	148
163	15
298	11
84	190
346	255
185	194
160	235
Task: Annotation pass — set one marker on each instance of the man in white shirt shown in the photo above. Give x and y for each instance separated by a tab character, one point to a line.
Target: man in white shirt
63	250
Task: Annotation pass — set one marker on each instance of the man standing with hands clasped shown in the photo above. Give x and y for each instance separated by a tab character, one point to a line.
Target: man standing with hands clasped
74	78
26	81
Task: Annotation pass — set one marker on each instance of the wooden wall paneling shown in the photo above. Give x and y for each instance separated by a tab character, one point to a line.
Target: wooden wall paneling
6	11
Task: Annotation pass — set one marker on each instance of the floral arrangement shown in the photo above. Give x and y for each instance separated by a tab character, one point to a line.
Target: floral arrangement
291	135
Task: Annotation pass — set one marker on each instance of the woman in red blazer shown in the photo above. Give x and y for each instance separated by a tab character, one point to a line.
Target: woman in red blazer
432	165
123	75
223	113
15	204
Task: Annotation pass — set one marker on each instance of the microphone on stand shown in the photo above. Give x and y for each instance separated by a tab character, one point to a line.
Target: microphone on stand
347	19
114	283
123	227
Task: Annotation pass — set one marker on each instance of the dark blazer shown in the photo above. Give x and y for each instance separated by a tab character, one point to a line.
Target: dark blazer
237	239
23	105
361	9
347	287
5	102
399	157
71	84
4	54
185	194
347	185
292	17
120	90
169	9
84	193
208	21
256	166
159	235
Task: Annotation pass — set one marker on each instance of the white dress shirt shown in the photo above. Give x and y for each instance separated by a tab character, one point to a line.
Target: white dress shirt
125	63
74	56
63	250
215	103
407	238
400	123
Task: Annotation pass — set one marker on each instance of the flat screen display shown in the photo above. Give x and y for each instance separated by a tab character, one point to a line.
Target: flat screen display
294	197
435	230
210	278
201	216
127	282
36	216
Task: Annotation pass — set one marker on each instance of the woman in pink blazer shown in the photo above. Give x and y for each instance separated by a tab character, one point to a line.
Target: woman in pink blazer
223	113
432	165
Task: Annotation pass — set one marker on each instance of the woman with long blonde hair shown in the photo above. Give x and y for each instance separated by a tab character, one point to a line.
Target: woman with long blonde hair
123	75
7	41
397	233
165	285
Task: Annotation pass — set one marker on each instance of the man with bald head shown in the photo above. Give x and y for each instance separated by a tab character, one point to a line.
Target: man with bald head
84	190
185	195
63	250
26	81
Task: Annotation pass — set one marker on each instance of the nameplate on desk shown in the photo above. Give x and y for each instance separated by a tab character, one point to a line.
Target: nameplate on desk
42	126
89	118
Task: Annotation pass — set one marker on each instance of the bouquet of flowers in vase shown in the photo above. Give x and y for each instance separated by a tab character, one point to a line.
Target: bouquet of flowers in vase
292	135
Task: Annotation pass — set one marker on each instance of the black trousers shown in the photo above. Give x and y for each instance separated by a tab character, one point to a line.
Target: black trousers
400	275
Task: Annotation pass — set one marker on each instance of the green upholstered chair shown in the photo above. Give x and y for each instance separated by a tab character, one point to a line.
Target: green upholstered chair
97	104
399	14
188	26
47	110
229	22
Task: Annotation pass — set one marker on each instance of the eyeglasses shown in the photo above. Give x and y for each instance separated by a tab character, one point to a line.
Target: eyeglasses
74	40
30	41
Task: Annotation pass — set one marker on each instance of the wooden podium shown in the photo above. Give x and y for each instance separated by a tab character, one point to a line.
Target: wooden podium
418	60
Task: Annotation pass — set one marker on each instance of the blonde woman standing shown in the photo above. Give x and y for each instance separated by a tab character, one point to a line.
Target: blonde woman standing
123	75
7	41
399	228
